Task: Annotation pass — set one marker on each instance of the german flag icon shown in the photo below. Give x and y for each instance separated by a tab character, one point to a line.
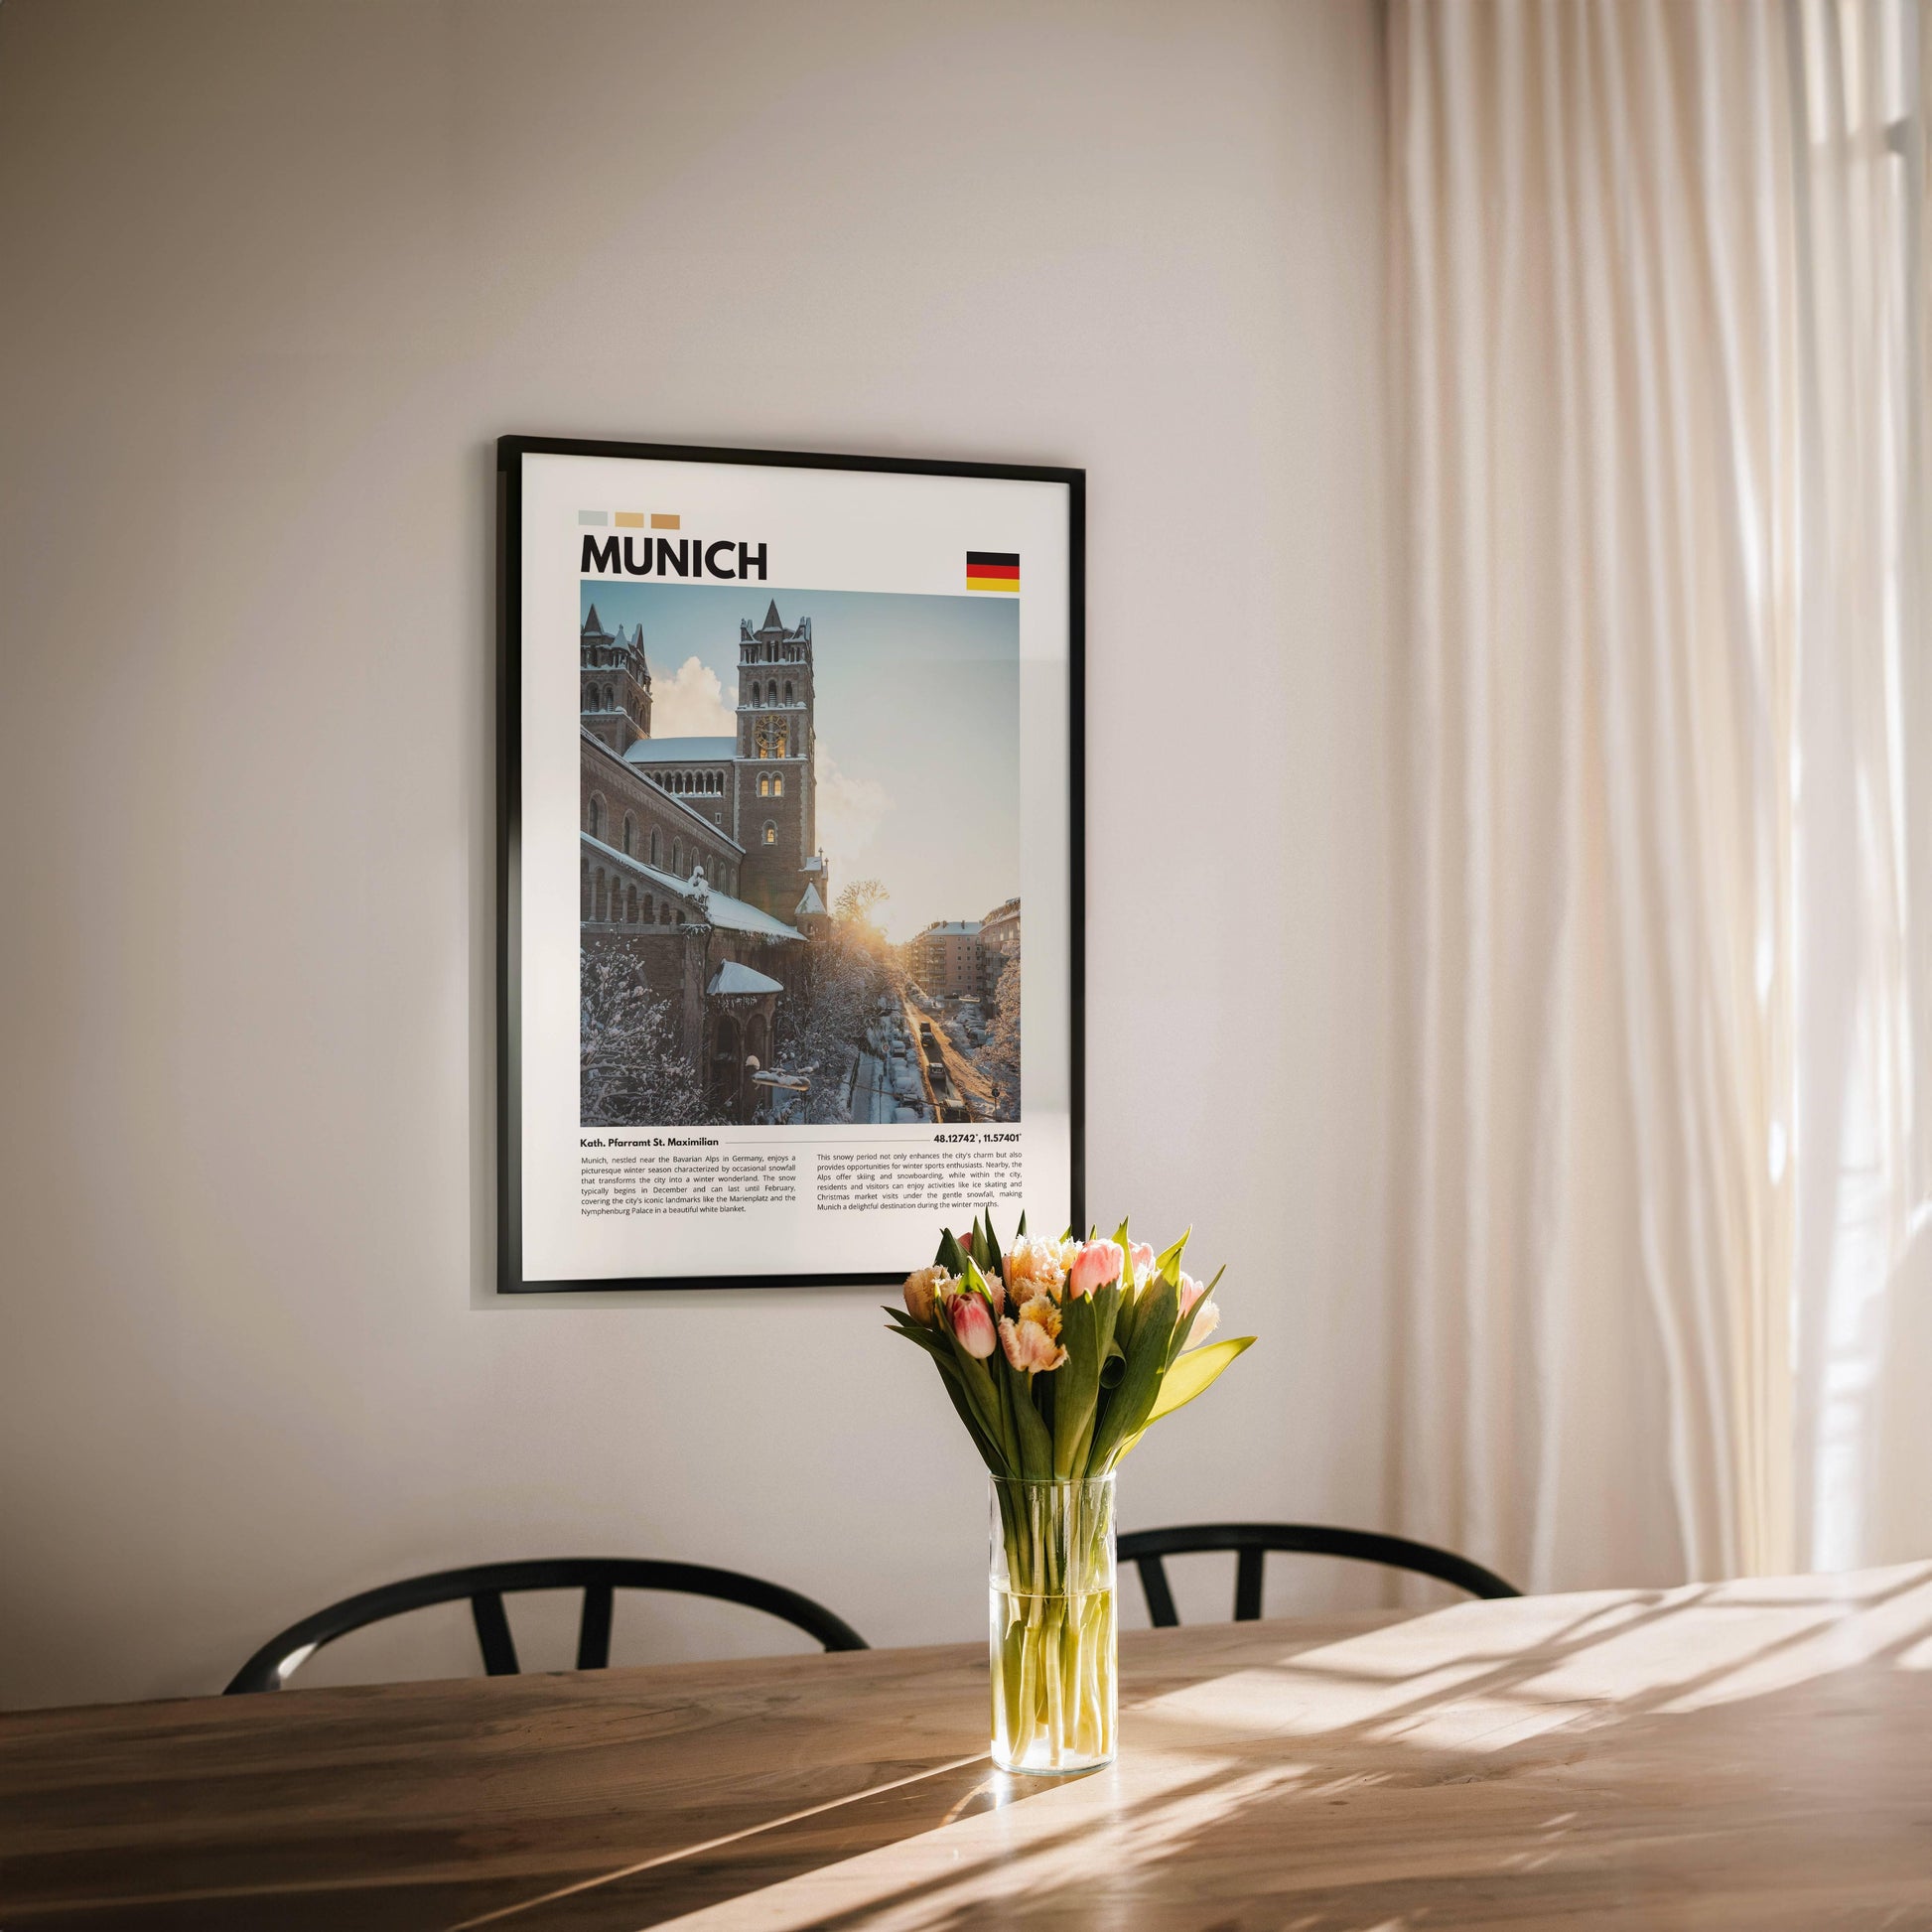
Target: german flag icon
993	569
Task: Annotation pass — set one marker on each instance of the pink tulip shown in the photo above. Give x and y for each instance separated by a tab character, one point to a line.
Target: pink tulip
1141	1255
1097	1264
972	1324
1196	1323
1028	1347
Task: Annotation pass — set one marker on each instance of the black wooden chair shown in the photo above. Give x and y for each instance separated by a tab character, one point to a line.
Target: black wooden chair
1145	1549
486	1584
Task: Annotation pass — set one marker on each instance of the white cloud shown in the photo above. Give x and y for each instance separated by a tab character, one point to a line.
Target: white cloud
690	703
849	812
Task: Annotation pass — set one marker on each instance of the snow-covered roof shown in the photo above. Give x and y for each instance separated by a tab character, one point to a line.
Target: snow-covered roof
734	915
681	751
736	977
808	906
727	915
952	930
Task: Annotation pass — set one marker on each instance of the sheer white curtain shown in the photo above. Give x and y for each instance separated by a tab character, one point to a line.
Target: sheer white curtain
1660	338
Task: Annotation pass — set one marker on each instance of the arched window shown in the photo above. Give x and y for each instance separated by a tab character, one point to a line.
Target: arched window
677	857
665	912
754	692
788	697
778	785
629	836
765	784
602	895
596	826
630	906
586	905
770	833
650	910
610	699
656	852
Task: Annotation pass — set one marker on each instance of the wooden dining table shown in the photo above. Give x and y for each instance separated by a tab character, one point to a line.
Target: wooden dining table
1753	1754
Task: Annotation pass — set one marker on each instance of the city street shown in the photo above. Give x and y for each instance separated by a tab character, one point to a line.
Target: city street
872	1090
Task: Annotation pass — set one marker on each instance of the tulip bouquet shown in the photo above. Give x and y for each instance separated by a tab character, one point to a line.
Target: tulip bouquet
1058	1356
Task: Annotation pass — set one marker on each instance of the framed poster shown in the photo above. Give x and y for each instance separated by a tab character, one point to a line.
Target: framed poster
789	745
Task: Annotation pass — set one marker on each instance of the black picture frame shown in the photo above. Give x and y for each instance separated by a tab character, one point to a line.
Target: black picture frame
510	452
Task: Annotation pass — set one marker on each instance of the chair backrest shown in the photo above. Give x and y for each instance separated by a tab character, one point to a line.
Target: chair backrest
485	1585
1145	1549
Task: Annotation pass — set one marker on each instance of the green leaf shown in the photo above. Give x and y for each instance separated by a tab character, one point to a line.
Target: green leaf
990	1454
1076	1382
1183	1327
1035	1445
1168	1262
948	1359
1193	1373
1147	1362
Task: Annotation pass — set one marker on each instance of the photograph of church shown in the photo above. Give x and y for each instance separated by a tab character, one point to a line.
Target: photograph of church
702	885
725	979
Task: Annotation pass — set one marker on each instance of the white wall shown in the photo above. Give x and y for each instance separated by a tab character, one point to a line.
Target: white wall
275	277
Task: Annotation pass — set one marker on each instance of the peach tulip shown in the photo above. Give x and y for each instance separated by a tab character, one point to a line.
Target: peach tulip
1032	1267
924	1285
1028	1347
1044	1310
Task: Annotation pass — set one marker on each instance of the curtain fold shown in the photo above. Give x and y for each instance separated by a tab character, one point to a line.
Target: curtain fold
1659	349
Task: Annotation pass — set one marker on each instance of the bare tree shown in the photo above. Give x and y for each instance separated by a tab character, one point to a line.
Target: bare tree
633	1071
855	902
1000	1062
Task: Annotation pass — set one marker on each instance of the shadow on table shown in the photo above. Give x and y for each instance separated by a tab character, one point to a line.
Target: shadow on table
1637	1775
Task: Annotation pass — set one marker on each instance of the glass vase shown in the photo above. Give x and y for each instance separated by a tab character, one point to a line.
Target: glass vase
1050	1602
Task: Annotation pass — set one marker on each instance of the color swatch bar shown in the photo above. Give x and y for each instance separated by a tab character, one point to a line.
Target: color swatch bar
993	569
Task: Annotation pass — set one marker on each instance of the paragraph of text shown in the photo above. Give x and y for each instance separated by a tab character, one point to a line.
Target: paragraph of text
649	1182
941	1179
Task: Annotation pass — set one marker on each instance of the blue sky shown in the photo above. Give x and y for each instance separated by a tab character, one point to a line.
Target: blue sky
918	726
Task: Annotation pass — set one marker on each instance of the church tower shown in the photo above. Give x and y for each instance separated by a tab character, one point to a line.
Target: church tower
614	684
777	763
